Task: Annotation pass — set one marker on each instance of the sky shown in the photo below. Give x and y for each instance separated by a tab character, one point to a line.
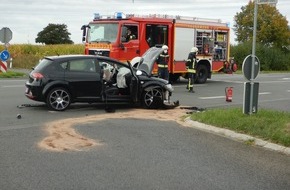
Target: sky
26	18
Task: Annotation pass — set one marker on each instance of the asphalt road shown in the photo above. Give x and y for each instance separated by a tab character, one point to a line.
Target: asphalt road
140	154
274	91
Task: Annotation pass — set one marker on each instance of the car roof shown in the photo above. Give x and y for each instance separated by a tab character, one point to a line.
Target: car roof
77	56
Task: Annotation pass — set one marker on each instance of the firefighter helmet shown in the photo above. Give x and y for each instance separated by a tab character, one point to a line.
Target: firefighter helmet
194	50
165	47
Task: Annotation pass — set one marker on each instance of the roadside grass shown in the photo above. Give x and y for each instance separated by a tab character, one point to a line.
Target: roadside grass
11	74
270	125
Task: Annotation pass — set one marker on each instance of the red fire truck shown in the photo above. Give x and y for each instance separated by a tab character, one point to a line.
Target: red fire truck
106	36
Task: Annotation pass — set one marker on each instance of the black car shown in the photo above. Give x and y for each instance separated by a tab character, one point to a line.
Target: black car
61	80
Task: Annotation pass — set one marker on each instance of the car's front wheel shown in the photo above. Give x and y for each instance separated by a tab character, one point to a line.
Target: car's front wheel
152	98
58	99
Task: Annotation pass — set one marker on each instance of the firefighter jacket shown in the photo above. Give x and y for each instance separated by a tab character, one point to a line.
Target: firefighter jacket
162	61
191	62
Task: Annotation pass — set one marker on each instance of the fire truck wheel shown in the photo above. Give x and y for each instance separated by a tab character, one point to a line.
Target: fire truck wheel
152	98
201	74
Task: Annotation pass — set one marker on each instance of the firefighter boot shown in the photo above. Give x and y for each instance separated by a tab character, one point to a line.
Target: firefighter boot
191	90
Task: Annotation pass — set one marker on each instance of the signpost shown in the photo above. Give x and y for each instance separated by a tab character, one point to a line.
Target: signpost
251	72
267	1
5	37
247	67
251	89
4	55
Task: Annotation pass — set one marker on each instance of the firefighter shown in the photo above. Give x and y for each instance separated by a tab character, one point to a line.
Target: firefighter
191	68
130	36
162	63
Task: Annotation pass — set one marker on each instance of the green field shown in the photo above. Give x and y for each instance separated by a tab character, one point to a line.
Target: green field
27	55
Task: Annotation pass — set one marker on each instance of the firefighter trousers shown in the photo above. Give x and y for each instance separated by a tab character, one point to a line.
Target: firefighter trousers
191	78
163	73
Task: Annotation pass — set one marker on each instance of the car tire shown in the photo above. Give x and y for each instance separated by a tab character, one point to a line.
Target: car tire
152	98
58	99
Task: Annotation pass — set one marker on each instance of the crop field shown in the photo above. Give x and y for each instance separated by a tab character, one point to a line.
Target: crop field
28	55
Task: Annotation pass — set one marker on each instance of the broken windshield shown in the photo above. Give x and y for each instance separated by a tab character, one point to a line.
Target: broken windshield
103	32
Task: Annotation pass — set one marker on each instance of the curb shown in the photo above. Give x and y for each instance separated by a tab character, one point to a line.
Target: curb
238	136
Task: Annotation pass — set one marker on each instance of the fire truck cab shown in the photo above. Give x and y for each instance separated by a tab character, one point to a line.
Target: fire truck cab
125	37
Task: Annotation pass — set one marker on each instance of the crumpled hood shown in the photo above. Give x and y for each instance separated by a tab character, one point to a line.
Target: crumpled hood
148	59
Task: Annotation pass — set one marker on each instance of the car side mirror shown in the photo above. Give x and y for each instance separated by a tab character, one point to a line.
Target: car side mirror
122	46
123	39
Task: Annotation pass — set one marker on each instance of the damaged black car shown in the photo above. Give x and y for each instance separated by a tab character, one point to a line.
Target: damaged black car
62	80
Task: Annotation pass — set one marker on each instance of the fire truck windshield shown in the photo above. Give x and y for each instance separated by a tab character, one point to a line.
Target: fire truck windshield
102	32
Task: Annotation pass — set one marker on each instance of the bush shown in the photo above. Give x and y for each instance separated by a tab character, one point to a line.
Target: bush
271	58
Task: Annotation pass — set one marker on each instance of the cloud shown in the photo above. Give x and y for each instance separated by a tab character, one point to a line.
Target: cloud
27	18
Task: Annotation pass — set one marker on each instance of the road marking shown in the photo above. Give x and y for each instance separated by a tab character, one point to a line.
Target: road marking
184	85
11	80
218	97
229	81
211	97
269	82
12	86
265	93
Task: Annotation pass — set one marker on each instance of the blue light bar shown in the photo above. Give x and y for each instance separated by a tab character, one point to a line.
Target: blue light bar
119	15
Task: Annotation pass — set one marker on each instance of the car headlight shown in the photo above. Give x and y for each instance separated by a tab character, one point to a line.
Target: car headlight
169	87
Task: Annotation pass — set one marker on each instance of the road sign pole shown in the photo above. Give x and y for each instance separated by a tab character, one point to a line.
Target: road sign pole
253	56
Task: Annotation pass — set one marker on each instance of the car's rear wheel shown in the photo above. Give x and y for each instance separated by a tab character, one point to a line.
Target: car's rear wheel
58	99
152	98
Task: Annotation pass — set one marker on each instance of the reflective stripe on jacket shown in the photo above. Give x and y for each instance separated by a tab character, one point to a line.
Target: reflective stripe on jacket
162	66
191	62
191	70
162	61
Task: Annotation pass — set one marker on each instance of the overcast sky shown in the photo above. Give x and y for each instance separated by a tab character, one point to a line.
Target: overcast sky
28	17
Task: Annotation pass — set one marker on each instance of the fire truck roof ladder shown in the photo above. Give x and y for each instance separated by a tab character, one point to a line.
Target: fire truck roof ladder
177	17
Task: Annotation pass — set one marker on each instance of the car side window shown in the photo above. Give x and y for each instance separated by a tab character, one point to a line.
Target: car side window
64	65
83	65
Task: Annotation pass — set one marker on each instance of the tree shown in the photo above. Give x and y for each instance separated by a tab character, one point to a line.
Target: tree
54	34
272	27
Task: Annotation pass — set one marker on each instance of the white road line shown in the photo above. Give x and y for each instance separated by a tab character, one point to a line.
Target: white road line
228	81
211	97
218	97
265	93
4	80
13	86
184	85
269	82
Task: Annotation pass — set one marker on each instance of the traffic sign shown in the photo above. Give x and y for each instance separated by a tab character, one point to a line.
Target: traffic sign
4	55
247	67
250	89
5	35
267	1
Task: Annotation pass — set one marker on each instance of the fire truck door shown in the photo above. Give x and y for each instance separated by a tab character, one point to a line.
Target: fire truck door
129	43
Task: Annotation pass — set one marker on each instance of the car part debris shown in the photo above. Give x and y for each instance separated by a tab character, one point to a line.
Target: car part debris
193	109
